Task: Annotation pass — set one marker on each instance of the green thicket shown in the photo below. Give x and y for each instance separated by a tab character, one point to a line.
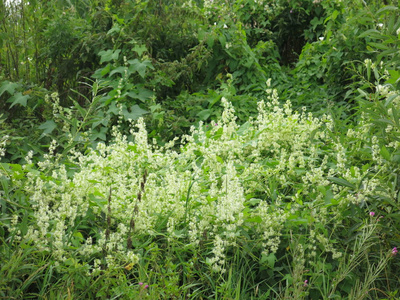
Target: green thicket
225	90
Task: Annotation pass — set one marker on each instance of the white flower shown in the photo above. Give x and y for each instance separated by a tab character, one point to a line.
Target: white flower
382	89
321	38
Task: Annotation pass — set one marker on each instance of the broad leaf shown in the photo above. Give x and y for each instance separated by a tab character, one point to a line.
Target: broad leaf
135	112
120	70
204	114
141	93
140	67
18	98
114	29
394	77
99	134
139	49
48	127
9	87
109	55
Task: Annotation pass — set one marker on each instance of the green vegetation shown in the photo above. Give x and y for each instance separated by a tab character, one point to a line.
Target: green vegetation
195	149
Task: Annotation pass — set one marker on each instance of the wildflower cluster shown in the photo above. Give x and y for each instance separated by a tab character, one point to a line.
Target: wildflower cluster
226	182
3	143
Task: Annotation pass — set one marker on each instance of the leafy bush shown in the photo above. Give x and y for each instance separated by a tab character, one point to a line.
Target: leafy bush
324	69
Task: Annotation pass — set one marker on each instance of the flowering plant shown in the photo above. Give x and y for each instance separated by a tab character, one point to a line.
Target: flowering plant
281	173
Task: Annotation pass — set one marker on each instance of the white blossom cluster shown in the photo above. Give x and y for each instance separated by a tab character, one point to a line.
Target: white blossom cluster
205	192
3	144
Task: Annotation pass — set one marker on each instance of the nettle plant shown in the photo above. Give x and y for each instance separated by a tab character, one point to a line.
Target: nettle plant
285	182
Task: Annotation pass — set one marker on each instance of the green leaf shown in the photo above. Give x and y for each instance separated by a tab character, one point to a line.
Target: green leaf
385	153
99	134
105	70
48	126
253	201
342	182
335	14
140	67
394	77
255	219
366	20
139	49
391	23
99	201
18	98
9	87
135	112
243	128
120	21
109	55
299	221
210	41
371	33
386	8
142	94
321	189
81	110
222	40
378	46
120	70
288	278
100	119
387	53
214	100
114	29
204	114
384	121
201	34
395	113
329	197
269	260
362	92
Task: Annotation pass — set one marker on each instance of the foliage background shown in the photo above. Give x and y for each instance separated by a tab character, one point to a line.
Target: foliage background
292	104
